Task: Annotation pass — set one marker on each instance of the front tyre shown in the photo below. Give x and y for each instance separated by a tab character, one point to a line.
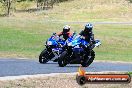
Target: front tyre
87	61
62	61
44	56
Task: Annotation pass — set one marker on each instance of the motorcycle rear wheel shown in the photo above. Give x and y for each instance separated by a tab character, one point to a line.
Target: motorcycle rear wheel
62	61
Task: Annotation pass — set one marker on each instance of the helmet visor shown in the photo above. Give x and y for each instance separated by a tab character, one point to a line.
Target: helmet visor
65	30
88	29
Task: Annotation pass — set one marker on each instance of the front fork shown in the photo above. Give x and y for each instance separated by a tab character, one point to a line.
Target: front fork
69	54
87	51
49	50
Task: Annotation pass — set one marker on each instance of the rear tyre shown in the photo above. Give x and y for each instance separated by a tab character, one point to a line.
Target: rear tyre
44	57
87	61
62	61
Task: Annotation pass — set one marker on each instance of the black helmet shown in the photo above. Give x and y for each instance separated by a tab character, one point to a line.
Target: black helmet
66	28
88	27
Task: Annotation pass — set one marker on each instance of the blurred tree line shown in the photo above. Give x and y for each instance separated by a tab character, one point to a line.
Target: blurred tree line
130	1
7	5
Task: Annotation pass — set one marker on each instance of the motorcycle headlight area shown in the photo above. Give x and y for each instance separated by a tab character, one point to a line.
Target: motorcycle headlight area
70	44
67	42
49	43
97	44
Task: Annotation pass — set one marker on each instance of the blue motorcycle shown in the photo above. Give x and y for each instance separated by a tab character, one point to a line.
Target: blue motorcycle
78	51
53	49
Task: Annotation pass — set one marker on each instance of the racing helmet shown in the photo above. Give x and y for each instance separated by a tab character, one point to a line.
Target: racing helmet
88	27
66	28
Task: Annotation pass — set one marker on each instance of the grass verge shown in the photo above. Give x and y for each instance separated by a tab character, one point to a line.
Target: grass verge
26	38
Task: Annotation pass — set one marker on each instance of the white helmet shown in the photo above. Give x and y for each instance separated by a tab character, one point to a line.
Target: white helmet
66	28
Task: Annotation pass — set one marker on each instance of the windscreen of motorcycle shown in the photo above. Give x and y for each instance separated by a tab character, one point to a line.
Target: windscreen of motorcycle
76	41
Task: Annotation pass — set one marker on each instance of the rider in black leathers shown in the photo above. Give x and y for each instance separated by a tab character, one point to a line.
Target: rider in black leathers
88	35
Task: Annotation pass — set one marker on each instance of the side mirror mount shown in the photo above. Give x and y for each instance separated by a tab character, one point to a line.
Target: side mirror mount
54	33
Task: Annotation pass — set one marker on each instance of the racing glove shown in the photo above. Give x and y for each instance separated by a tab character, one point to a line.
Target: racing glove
82	37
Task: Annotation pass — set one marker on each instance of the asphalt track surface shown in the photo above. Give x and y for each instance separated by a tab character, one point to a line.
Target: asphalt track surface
16	67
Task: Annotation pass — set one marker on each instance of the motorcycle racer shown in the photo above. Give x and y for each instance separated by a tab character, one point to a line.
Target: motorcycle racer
87	33
66	32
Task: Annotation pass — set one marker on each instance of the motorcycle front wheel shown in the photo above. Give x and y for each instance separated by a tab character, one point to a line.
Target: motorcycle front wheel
45	56
87	61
